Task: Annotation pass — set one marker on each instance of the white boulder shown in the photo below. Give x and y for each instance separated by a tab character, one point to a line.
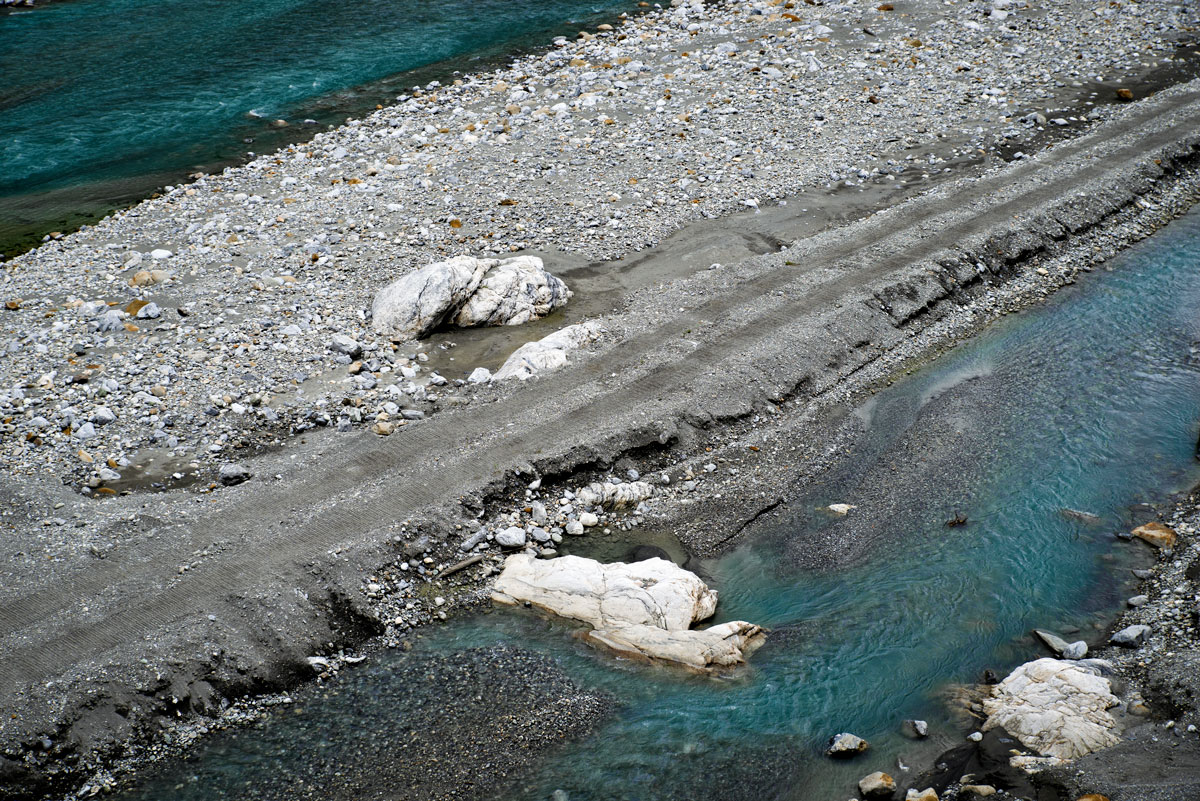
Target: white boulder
641	609
468	292
412	306
846	745
512	292
1056	708
549	353
725	645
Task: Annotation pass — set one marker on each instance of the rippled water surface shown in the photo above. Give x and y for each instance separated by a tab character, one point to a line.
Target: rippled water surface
104	100
1090	402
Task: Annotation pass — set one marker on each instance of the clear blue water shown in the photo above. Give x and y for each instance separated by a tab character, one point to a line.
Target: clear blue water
1090	402
104	100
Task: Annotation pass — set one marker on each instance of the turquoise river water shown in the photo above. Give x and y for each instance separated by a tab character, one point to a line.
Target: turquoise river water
1089	402
103	101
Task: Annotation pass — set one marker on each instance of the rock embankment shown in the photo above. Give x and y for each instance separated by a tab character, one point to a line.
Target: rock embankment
642	610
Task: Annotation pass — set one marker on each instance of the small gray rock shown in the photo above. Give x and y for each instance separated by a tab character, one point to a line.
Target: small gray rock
1075	650
231	474
344	344
150	311
915	729
575	528
1131	636
473	540
511	537
102	416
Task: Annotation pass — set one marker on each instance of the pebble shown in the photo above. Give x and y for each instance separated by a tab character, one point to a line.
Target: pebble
511	537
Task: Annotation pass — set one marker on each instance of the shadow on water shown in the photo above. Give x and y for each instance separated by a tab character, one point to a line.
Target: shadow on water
1086	404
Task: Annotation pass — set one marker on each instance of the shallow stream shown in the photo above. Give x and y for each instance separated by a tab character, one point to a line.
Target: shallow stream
1089	403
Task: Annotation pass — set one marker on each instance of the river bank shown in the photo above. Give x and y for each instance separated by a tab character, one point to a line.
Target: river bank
391	602
281	564
1157	752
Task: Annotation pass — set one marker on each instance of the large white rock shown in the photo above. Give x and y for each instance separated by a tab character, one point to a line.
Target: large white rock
466	291
512	292
412	306
652	592
642	609
1056	708
549	353
725	645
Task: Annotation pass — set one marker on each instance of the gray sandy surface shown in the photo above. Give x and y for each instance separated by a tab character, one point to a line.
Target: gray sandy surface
461	725
120	611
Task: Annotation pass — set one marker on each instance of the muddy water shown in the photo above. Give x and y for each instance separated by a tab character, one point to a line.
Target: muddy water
1089	403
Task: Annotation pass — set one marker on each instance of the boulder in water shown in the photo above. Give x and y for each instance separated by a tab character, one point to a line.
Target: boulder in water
1056	708
846	745
877	785
644	609
1060	647
722	646
548	353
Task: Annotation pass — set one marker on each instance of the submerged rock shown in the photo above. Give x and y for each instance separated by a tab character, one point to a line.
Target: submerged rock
1060	647
549	353
468	292
846	745
915	729
643	609
722	646
1058	709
